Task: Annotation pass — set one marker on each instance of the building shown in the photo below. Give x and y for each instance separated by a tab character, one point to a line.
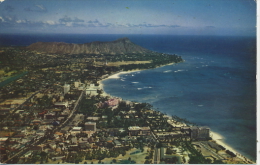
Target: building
136	131
77	84
117	143
90	126
49	115
61	105
91	91
200	132
76	130
93	118
113	102
66	88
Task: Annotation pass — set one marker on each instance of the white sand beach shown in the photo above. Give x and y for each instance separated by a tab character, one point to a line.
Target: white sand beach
215	136
220	140
113	76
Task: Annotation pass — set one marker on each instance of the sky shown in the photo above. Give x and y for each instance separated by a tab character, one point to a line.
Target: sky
170	17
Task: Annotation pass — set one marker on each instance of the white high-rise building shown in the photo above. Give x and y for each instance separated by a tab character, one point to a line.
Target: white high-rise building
66	88
77	83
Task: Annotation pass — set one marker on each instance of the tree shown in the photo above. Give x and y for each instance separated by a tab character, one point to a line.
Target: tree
114	160
147	161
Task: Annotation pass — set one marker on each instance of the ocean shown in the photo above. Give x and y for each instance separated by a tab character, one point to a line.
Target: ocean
215	86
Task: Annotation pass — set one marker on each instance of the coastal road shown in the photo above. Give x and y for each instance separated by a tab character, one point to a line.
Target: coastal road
212	152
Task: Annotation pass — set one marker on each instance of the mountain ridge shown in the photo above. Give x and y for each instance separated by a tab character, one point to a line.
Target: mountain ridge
119	46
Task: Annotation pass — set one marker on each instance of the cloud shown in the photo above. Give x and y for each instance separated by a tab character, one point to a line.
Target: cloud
50	22
2	1
149	25
97	23
68	21
1	19
36	8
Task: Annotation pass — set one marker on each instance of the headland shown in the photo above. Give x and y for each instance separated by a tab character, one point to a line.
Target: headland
64	117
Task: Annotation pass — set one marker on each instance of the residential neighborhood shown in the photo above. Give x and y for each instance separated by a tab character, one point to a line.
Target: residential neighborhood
57	112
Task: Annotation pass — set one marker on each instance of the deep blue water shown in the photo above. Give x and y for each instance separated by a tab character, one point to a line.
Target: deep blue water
215	86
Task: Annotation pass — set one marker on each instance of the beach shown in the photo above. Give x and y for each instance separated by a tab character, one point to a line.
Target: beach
218	138
113	76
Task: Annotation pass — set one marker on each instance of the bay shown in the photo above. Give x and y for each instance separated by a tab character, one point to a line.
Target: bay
215	86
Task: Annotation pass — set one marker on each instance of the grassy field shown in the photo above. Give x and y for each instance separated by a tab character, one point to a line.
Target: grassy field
118	63
6	75
135	154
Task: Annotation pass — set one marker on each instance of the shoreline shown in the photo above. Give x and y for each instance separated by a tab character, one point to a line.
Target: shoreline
113	76
117	76
218	138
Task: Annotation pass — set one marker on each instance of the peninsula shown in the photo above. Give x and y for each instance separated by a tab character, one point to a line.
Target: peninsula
119	46
57	112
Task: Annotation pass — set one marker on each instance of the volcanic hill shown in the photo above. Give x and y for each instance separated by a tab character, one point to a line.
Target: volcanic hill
119	46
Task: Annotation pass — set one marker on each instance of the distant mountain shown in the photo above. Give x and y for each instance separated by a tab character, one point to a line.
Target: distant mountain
119	46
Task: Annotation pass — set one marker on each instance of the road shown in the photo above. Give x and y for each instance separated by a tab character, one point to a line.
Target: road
16	108
157	157
212	152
